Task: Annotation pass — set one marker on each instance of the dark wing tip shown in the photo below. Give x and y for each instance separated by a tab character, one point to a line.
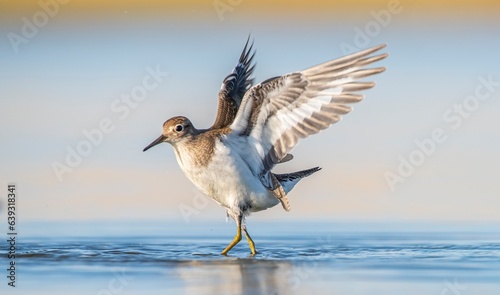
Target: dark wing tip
234	86
240	80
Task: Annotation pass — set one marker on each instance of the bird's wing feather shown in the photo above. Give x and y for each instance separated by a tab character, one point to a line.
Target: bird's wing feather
234	87
276	114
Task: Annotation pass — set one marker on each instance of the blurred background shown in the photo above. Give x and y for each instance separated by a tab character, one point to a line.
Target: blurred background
86	85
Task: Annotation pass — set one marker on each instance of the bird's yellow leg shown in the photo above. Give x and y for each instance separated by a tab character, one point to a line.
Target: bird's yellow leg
236	240
251	244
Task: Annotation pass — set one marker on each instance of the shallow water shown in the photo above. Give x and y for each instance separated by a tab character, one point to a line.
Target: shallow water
314	258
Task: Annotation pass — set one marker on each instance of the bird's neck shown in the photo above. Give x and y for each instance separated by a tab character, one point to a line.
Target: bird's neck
195	150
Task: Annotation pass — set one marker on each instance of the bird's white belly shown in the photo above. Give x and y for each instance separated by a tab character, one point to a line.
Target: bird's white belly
228	180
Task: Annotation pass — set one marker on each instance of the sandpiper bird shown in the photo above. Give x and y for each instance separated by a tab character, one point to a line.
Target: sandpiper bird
257	127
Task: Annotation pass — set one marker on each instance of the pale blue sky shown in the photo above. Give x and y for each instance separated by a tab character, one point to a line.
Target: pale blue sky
67	77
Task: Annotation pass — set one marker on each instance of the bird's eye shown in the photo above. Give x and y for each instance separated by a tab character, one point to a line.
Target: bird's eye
179	128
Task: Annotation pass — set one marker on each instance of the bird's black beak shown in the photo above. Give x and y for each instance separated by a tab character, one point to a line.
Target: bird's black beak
157	141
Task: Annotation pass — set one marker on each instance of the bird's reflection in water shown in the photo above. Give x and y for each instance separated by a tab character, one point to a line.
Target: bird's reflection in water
238	276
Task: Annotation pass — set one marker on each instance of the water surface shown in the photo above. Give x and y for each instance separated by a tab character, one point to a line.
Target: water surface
300	258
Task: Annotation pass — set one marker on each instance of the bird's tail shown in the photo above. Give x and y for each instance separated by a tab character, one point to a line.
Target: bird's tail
289	180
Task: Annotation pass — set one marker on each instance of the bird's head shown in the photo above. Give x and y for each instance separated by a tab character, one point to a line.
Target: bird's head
175	130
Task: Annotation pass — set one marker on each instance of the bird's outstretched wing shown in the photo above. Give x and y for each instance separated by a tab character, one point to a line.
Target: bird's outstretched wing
234	87
275	114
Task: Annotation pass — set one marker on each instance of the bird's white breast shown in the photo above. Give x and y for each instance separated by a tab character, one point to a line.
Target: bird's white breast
227	179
